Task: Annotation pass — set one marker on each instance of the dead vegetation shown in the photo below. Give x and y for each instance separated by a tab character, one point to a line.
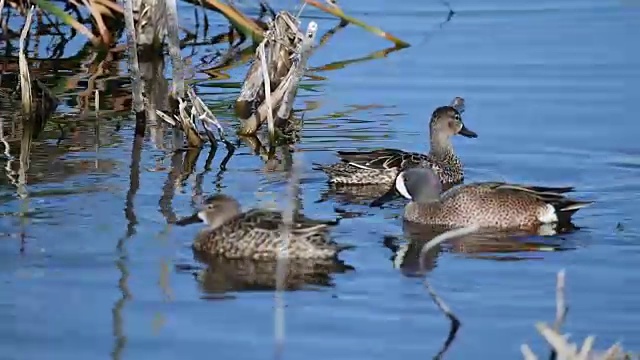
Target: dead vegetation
279	50
561	347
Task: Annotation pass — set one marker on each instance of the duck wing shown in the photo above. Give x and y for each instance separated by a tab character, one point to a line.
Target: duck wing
383	159
272	221
267	223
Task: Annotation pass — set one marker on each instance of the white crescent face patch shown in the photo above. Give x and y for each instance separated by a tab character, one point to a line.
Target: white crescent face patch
203	216
401	187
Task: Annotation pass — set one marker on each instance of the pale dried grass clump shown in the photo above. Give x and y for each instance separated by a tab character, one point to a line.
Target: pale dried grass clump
188	115
272	80
561	348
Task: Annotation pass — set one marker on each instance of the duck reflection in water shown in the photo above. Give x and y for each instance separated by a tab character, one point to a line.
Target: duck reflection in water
236	275
486	244
241	248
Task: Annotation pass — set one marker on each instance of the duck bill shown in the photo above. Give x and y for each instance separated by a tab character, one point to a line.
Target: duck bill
193	219
467	133
388	196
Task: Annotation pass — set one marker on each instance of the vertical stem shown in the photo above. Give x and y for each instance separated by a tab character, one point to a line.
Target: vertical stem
25	77
267	91
177	87
134	69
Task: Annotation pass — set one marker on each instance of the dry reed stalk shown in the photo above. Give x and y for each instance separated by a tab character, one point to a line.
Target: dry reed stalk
67	19
102	28
298	68
134	69
267	91
151	26
25	77
274	76
174	49
562	349
241	22
282	261
206	117
114	7
335	10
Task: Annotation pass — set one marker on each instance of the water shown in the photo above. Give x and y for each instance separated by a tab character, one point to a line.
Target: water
549	91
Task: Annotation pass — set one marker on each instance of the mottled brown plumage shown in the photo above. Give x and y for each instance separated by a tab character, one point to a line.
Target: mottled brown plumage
488	204
255	234
382	166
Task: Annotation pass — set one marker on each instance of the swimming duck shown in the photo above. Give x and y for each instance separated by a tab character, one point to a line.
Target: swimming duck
486	204
382	166
255	234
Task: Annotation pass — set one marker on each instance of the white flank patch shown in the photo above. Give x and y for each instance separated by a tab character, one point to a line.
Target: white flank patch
547	230
401	187
548	215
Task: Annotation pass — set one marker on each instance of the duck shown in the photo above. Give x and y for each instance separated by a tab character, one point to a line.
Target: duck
256	234
381	166
495	205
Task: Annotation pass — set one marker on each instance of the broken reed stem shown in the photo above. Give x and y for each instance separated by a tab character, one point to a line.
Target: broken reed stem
25	77
134	69
258	97
186	118
298	67
561	348
105	36
282	261
177	86
267	90
207	118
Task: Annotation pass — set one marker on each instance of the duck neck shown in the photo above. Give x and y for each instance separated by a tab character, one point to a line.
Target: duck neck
441	147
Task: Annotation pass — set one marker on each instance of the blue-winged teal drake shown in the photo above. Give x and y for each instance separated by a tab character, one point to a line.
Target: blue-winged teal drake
255	234
487	204
382	166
